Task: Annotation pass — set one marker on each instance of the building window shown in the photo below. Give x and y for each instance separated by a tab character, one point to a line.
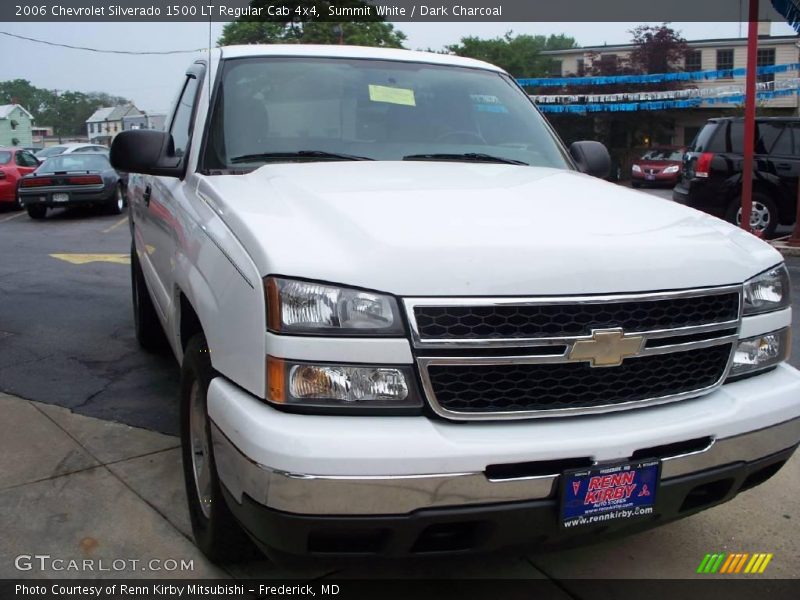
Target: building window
694	60
725	60
555	68
766	58
581	67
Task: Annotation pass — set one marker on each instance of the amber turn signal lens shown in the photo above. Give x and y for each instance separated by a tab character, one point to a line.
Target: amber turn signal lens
276	380
273	304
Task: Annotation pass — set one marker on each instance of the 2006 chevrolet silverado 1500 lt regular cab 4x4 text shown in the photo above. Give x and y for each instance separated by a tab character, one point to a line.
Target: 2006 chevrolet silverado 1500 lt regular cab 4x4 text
411	321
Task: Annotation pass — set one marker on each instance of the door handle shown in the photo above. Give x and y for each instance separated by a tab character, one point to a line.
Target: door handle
148	190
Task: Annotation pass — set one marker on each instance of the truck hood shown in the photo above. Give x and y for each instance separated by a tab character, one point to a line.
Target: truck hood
447	228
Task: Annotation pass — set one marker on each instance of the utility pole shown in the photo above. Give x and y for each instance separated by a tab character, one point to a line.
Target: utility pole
58	126
749	116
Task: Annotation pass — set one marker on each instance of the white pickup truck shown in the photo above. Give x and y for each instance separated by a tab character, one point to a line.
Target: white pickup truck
411	321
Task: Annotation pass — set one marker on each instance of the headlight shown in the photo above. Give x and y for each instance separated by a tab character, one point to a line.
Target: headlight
767	292
306	307
636	169
672	169
761	352
303	384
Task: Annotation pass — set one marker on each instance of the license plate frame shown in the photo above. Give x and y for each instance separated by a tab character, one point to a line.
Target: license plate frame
590	497
650	177
61	197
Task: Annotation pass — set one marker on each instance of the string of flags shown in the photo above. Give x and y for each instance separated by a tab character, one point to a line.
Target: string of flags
654	77
728	90
662	104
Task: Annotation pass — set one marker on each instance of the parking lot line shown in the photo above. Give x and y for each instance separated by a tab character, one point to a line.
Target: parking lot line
14	216
115	225
82	259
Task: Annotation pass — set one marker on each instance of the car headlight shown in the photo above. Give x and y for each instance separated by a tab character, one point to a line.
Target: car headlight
636	169
672	169
767	292
295	306
322	385
761	352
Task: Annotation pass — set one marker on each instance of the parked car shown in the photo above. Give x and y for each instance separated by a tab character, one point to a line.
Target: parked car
74	179
658	166
69	148
14	163
711	177
386	351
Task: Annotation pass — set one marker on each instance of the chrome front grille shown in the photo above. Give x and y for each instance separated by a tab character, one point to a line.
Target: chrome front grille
490	358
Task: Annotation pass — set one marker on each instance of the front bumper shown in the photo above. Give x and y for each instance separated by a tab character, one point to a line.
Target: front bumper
529	524
340	465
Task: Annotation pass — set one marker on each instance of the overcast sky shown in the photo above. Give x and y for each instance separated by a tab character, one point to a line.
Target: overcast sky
150	81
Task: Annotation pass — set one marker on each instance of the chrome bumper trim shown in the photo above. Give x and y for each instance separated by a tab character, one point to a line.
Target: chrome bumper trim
372	495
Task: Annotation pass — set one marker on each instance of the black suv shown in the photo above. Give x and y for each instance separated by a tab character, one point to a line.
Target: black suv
711	179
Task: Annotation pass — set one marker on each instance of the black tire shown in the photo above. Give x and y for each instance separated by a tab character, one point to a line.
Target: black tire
17	200
116	203
37	211
147	326
764	206
216	532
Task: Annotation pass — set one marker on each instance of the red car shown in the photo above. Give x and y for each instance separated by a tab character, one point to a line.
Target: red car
14	163
661	166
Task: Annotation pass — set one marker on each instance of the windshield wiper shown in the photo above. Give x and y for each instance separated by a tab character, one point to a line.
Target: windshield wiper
467	156
299	154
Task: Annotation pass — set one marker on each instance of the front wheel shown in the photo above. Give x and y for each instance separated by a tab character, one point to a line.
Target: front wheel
763	215
215	530
37	211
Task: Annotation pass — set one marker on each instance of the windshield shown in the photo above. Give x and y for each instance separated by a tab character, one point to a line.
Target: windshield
662	154
51	151
5	156
74	162
269	109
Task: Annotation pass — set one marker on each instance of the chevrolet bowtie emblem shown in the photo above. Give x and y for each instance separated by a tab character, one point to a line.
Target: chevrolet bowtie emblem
607	348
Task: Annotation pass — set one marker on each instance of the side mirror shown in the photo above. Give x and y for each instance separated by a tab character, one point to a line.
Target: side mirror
592	158
145	151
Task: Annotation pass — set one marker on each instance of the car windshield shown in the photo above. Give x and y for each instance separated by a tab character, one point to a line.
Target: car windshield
291	109
5	156
662	154
51	151
74	162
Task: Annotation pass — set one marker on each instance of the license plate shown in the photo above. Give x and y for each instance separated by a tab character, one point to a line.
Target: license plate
606	493
649	177
60	197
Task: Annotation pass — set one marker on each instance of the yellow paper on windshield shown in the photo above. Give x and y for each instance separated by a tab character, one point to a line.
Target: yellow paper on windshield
382	93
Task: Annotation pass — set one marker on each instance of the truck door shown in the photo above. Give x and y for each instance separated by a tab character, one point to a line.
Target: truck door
159	216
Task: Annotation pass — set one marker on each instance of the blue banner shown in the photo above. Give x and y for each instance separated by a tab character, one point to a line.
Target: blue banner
654	77
659	105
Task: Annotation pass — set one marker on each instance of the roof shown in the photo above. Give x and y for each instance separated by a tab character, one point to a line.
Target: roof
7	109
343	51
101	114
710	42
112	113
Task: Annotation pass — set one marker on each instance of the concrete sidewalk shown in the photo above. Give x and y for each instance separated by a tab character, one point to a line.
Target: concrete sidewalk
74	488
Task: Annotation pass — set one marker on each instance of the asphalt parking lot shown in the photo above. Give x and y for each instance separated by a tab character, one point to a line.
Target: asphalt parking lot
66	340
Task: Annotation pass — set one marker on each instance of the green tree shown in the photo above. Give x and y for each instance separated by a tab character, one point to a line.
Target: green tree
309	22
520	55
